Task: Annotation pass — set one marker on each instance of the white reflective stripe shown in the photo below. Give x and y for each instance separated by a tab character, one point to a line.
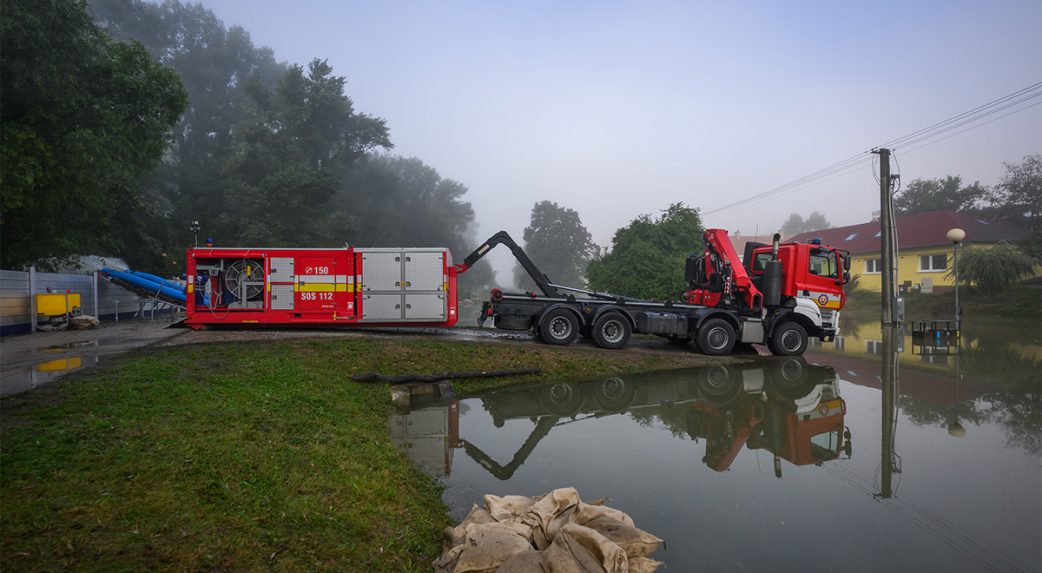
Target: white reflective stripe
322	279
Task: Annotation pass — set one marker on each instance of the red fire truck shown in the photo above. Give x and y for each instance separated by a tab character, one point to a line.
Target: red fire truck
781	296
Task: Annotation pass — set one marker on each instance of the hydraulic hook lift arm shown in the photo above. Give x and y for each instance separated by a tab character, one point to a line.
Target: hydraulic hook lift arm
502	238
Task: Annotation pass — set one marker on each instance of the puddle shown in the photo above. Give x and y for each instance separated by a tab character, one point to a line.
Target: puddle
24	378
782	461
28	361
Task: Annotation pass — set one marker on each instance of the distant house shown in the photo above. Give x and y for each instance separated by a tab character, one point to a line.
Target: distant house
925	252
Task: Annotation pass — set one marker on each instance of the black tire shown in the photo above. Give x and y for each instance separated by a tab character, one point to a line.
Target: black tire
612	330
789	339
563	399
791	378
504	322
559	326
719	384
715	337
614	394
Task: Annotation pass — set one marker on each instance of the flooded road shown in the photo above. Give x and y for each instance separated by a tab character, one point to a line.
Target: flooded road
852	459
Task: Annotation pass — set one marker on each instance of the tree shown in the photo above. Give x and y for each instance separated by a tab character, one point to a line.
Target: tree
647	256
291	157
391	201
793	225
994	269
815	222
796	224
558	243
924	195
85	120
1018	199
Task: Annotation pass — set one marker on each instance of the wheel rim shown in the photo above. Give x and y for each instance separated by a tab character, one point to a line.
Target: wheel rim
612	331
560	328
792	371
560	394
717	338
791	340
613	388
718	378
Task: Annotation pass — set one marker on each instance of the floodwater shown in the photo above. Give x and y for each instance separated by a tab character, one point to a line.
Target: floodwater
31	360
869	454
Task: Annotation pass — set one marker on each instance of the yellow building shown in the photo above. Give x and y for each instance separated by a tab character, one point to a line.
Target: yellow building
925	254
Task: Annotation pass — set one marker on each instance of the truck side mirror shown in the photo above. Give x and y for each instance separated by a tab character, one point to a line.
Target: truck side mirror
846	264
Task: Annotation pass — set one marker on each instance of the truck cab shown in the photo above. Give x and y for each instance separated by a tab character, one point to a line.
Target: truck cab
813	276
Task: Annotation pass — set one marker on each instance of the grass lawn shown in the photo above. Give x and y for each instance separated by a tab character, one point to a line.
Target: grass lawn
240	456
1021	303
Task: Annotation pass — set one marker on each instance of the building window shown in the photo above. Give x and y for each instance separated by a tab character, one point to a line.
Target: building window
933	263
873	266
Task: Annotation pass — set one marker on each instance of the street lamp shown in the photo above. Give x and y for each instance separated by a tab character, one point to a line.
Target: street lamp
195	231
956	236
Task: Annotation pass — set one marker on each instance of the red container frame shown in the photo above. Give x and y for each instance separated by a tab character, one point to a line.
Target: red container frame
347	304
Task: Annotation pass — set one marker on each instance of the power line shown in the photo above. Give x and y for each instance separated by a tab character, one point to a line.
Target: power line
925	134
900	140
972	127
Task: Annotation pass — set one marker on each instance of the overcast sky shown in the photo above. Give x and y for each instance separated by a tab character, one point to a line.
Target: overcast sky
620	108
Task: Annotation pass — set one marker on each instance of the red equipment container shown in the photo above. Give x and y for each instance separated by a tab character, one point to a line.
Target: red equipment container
346	286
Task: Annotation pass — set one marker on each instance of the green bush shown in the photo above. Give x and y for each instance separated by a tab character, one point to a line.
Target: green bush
994	269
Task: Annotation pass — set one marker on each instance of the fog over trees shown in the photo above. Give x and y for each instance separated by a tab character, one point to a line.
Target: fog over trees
558	243
259	152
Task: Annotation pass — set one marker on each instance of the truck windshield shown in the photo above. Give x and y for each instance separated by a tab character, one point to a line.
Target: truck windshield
823	263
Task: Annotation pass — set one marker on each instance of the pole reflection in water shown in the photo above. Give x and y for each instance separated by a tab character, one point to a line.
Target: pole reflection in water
890	462
786	407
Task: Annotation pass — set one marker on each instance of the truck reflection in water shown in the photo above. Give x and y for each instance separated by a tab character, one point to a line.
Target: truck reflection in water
785	406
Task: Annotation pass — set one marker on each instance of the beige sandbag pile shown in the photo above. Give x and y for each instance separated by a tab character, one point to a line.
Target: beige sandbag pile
83	322
553	533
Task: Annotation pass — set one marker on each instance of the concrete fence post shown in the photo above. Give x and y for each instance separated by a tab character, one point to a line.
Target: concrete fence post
94	295
32	299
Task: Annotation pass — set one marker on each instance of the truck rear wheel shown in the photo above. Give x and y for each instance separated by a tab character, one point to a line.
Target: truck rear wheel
559	326
715	337
612	330
789	339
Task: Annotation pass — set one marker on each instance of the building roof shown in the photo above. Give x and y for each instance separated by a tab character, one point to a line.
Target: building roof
915	231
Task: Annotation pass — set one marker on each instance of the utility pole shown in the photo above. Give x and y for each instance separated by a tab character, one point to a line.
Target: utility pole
887	236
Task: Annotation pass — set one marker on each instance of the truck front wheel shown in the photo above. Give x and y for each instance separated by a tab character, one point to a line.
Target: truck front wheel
789	339
612	331
715	337
559	327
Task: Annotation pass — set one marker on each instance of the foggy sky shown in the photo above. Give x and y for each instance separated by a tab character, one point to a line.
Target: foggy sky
617	109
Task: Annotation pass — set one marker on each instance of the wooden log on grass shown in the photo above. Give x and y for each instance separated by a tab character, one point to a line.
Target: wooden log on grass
376	377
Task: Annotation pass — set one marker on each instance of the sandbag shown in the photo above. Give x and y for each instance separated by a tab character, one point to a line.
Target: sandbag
588	512
634	541
489	545
579	549
454	536
549	513
508	507
553	533
525	562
